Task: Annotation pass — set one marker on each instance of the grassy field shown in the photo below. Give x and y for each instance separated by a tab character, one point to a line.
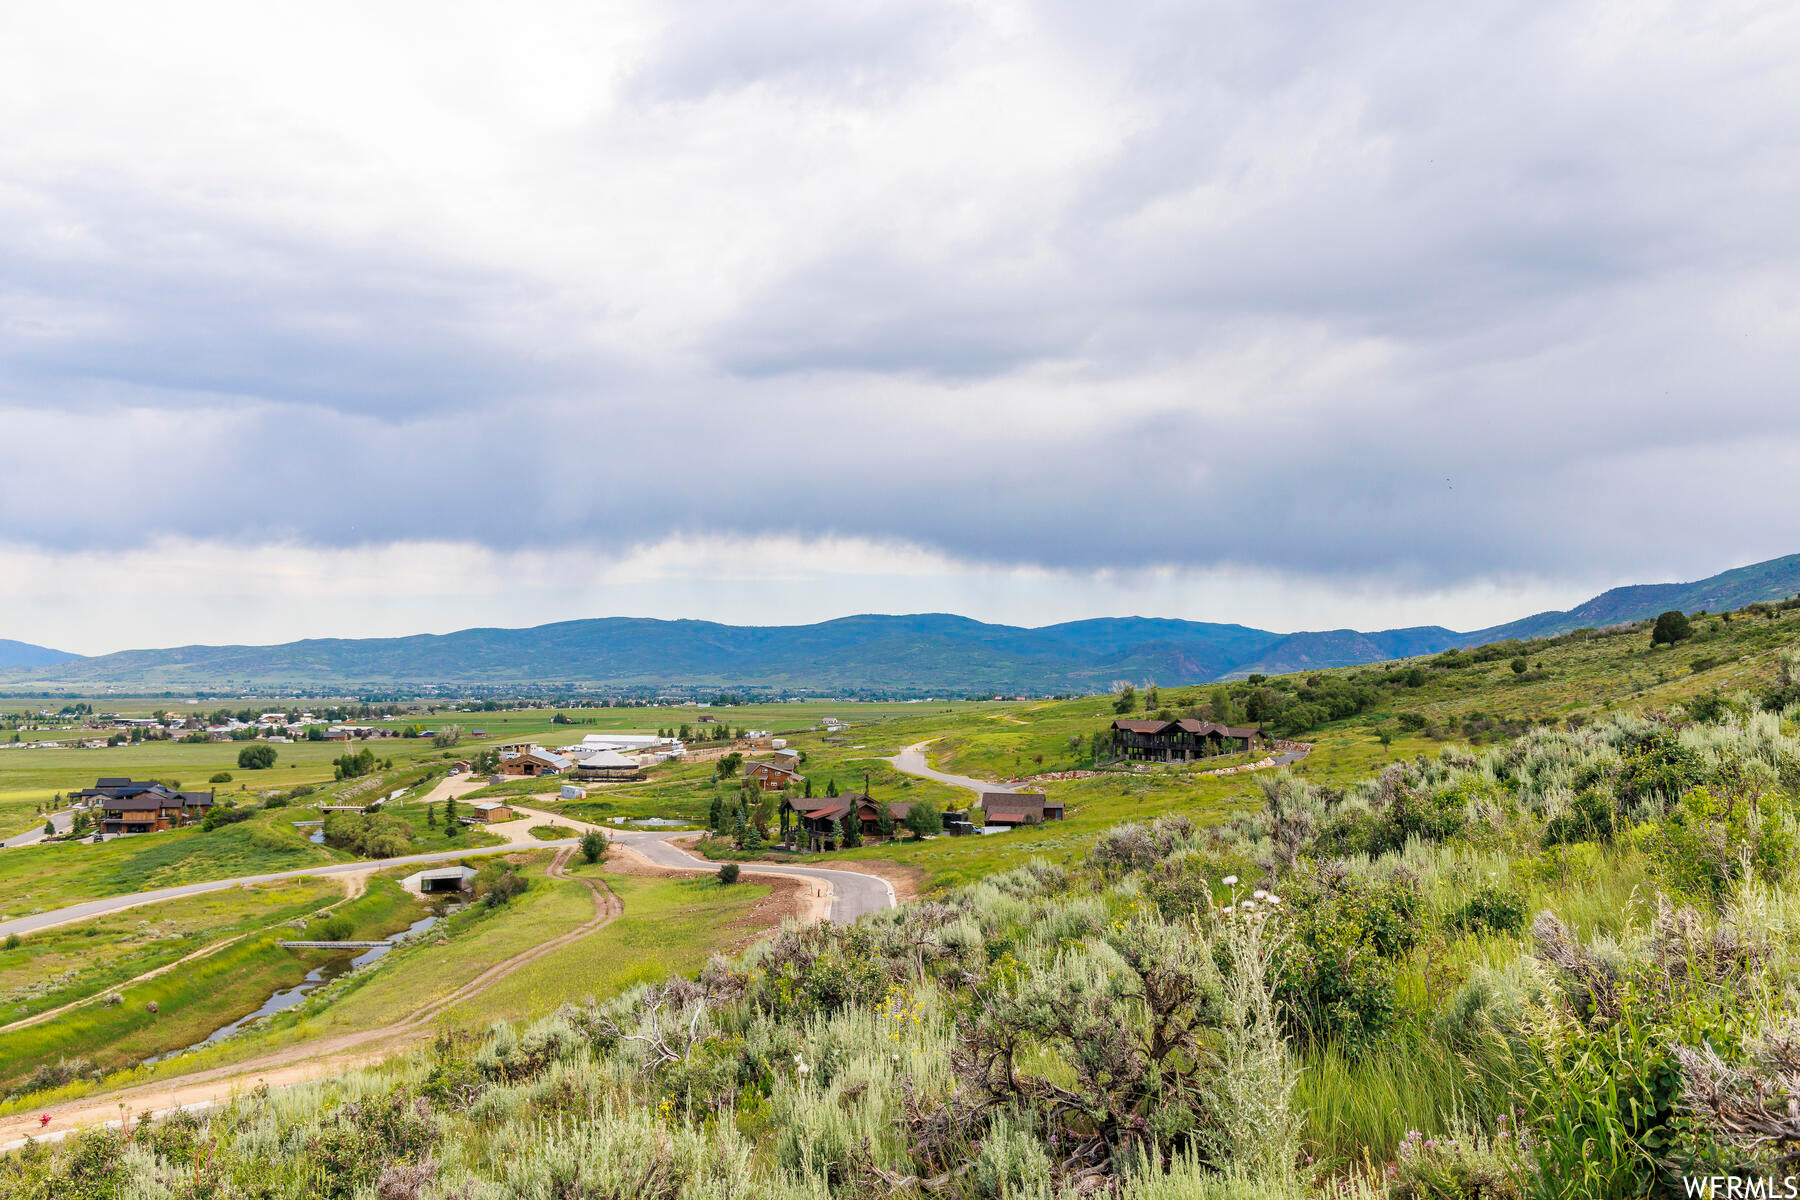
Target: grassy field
1577	676
29	778
72	962
668	925
179	1008
42	877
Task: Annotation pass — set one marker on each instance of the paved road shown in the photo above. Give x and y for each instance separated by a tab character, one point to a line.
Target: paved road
912	761
852	893
64	820
112	904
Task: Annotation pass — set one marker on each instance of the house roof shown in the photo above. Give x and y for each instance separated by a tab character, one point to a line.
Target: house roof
766	766
607	760
132	797
1203	728
543	756
1016	804
487	805
1141	726
808	803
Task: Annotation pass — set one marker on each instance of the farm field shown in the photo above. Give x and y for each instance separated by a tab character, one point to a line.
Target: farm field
74	962
34	878
31	777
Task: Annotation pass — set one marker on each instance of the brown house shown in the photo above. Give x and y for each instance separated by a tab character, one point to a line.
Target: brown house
128	806
1180	741
814	819
770	776
810	822
534	762
1019	808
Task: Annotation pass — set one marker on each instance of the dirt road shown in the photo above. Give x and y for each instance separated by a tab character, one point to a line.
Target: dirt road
309	1060
846	895
516	832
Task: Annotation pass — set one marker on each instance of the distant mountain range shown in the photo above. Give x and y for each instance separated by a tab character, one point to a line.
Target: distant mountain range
931	653
24	654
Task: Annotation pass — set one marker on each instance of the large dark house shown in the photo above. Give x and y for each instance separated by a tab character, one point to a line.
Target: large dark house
130	806
1180	741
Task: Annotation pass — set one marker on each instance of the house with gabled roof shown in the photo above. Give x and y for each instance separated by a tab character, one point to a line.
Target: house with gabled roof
771	776
1019	808
533	762
136	806
814	820
1180	741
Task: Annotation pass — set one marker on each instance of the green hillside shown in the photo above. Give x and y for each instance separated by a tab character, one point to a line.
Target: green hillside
1522	925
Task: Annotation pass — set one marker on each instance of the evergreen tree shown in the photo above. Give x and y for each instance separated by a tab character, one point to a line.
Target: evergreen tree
884	820
852	829
715	819
831	786
1671	627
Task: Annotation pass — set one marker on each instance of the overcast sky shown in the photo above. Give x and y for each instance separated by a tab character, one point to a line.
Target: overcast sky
347	319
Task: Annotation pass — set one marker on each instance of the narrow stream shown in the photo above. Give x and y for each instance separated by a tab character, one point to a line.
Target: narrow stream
287	998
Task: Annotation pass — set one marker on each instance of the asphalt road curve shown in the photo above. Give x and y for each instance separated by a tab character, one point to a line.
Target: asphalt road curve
853	894
65	821
912	761
113	904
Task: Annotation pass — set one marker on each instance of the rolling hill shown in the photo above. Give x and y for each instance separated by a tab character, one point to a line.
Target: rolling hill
928	653
24	654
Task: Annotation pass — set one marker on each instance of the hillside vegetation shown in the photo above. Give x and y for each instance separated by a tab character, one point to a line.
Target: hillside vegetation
1561	964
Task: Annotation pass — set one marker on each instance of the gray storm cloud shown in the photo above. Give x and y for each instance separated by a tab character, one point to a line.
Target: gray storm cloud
1439	291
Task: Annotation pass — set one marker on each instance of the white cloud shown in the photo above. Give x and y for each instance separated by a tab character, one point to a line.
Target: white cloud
1442	296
